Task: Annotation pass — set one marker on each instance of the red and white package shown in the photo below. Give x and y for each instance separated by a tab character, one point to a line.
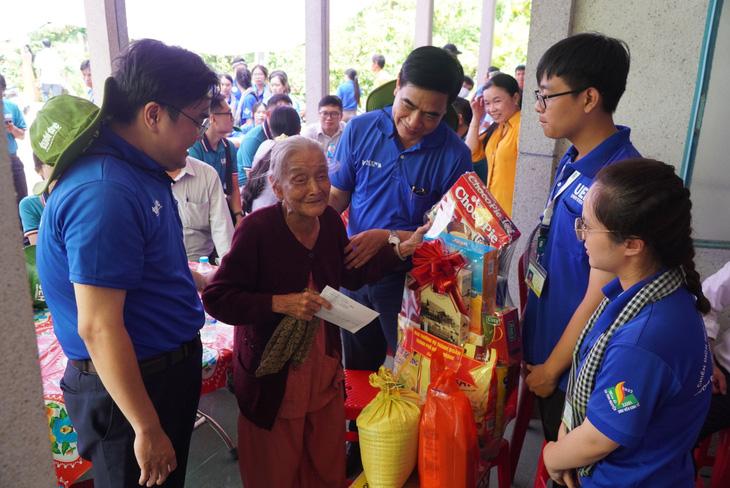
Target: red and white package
470	211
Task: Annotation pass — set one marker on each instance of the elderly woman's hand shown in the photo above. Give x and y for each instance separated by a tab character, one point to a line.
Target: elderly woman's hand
299	305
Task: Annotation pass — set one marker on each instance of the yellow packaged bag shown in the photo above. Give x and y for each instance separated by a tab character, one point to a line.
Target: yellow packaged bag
388	431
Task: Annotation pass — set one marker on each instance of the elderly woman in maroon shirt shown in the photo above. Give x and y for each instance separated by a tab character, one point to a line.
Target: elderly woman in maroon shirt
291	427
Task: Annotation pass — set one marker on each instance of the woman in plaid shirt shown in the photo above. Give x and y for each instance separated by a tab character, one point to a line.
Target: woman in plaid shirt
640	384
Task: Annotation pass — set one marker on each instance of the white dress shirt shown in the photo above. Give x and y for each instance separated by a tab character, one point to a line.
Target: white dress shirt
203	210
327	143
717	290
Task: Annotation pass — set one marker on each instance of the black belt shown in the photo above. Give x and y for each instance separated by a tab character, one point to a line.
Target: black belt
153	365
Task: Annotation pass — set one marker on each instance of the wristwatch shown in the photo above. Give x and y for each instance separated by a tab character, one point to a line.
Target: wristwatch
394	241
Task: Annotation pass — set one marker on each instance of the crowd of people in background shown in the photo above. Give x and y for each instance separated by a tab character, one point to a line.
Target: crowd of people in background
233	163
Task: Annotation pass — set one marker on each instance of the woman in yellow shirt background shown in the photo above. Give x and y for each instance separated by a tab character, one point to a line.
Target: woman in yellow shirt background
501	99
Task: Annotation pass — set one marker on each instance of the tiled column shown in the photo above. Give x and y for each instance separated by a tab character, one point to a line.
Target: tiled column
317	50
550	22
25	451
424	23
106	28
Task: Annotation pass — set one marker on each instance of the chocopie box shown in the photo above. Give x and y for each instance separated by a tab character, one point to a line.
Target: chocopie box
468	210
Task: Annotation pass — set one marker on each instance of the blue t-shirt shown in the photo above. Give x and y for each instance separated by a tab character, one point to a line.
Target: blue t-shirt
565	258
30	210
392	188
203	151
652	390
9	108
346	92
250	143
112	221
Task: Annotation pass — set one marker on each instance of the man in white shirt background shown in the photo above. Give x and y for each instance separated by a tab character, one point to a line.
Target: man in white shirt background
328	130
203	209
717	290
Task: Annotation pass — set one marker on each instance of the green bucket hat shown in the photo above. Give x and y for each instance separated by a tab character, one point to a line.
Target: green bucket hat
384	95
63	129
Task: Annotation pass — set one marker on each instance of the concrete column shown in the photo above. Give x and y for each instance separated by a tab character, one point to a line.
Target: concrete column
106	28
551	21
316	52
424	23
25	451
486	40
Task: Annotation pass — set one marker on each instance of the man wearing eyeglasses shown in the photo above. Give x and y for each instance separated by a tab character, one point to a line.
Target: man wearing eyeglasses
215	149
581	80
328	130
113	265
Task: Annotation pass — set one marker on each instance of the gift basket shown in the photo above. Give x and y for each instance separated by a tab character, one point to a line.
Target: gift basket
459	337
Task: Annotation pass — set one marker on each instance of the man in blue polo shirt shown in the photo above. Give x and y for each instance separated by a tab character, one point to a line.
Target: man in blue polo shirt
14	129
581	80
213	148
391	166
113	265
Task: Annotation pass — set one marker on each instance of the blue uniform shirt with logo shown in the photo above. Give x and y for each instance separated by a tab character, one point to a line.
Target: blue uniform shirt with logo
652	390
392	188
112	222
13	112
216	157
565	259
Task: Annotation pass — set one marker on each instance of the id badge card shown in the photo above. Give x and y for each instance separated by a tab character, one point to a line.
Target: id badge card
568	414
535	277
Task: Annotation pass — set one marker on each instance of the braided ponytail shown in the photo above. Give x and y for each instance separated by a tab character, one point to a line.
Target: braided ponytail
694	285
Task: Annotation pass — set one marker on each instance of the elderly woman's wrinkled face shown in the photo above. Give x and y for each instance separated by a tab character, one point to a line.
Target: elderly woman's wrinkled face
305	187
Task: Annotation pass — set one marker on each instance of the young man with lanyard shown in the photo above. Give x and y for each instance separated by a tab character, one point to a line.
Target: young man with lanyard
392	165
581	80
213	148
113	266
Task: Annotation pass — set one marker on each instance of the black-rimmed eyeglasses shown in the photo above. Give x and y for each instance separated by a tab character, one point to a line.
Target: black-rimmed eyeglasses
202	126
539	97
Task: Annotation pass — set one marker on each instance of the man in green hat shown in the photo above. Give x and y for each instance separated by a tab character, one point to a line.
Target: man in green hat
113	265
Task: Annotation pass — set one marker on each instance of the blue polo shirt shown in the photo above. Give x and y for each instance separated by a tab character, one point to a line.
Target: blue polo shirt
9	108
111	221
392	188
251	99
216	157
346	92
652	390
565	258
250	143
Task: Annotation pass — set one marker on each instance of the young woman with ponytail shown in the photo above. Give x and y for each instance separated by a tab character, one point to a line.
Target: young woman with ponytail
640	384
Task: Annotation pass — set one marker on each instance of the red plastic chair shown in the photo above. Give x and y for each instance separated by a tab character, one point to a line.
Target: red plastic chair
358	393
720	462
502	462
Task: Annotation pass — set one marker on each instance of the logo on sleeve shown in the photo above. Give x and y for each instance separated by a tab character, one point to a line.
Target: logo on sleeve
156	208
621	398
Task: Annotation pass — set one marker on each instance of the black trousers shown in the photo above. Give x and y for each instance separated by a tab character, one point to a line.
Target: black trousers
551	413
106	438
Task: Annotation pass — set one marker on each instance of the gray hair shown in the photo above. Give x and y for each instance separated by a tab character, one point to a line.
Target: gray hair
283	151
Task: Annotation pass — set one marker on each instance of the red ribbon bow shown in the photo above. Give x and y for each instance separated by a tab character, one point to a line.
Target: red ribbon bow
432	265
